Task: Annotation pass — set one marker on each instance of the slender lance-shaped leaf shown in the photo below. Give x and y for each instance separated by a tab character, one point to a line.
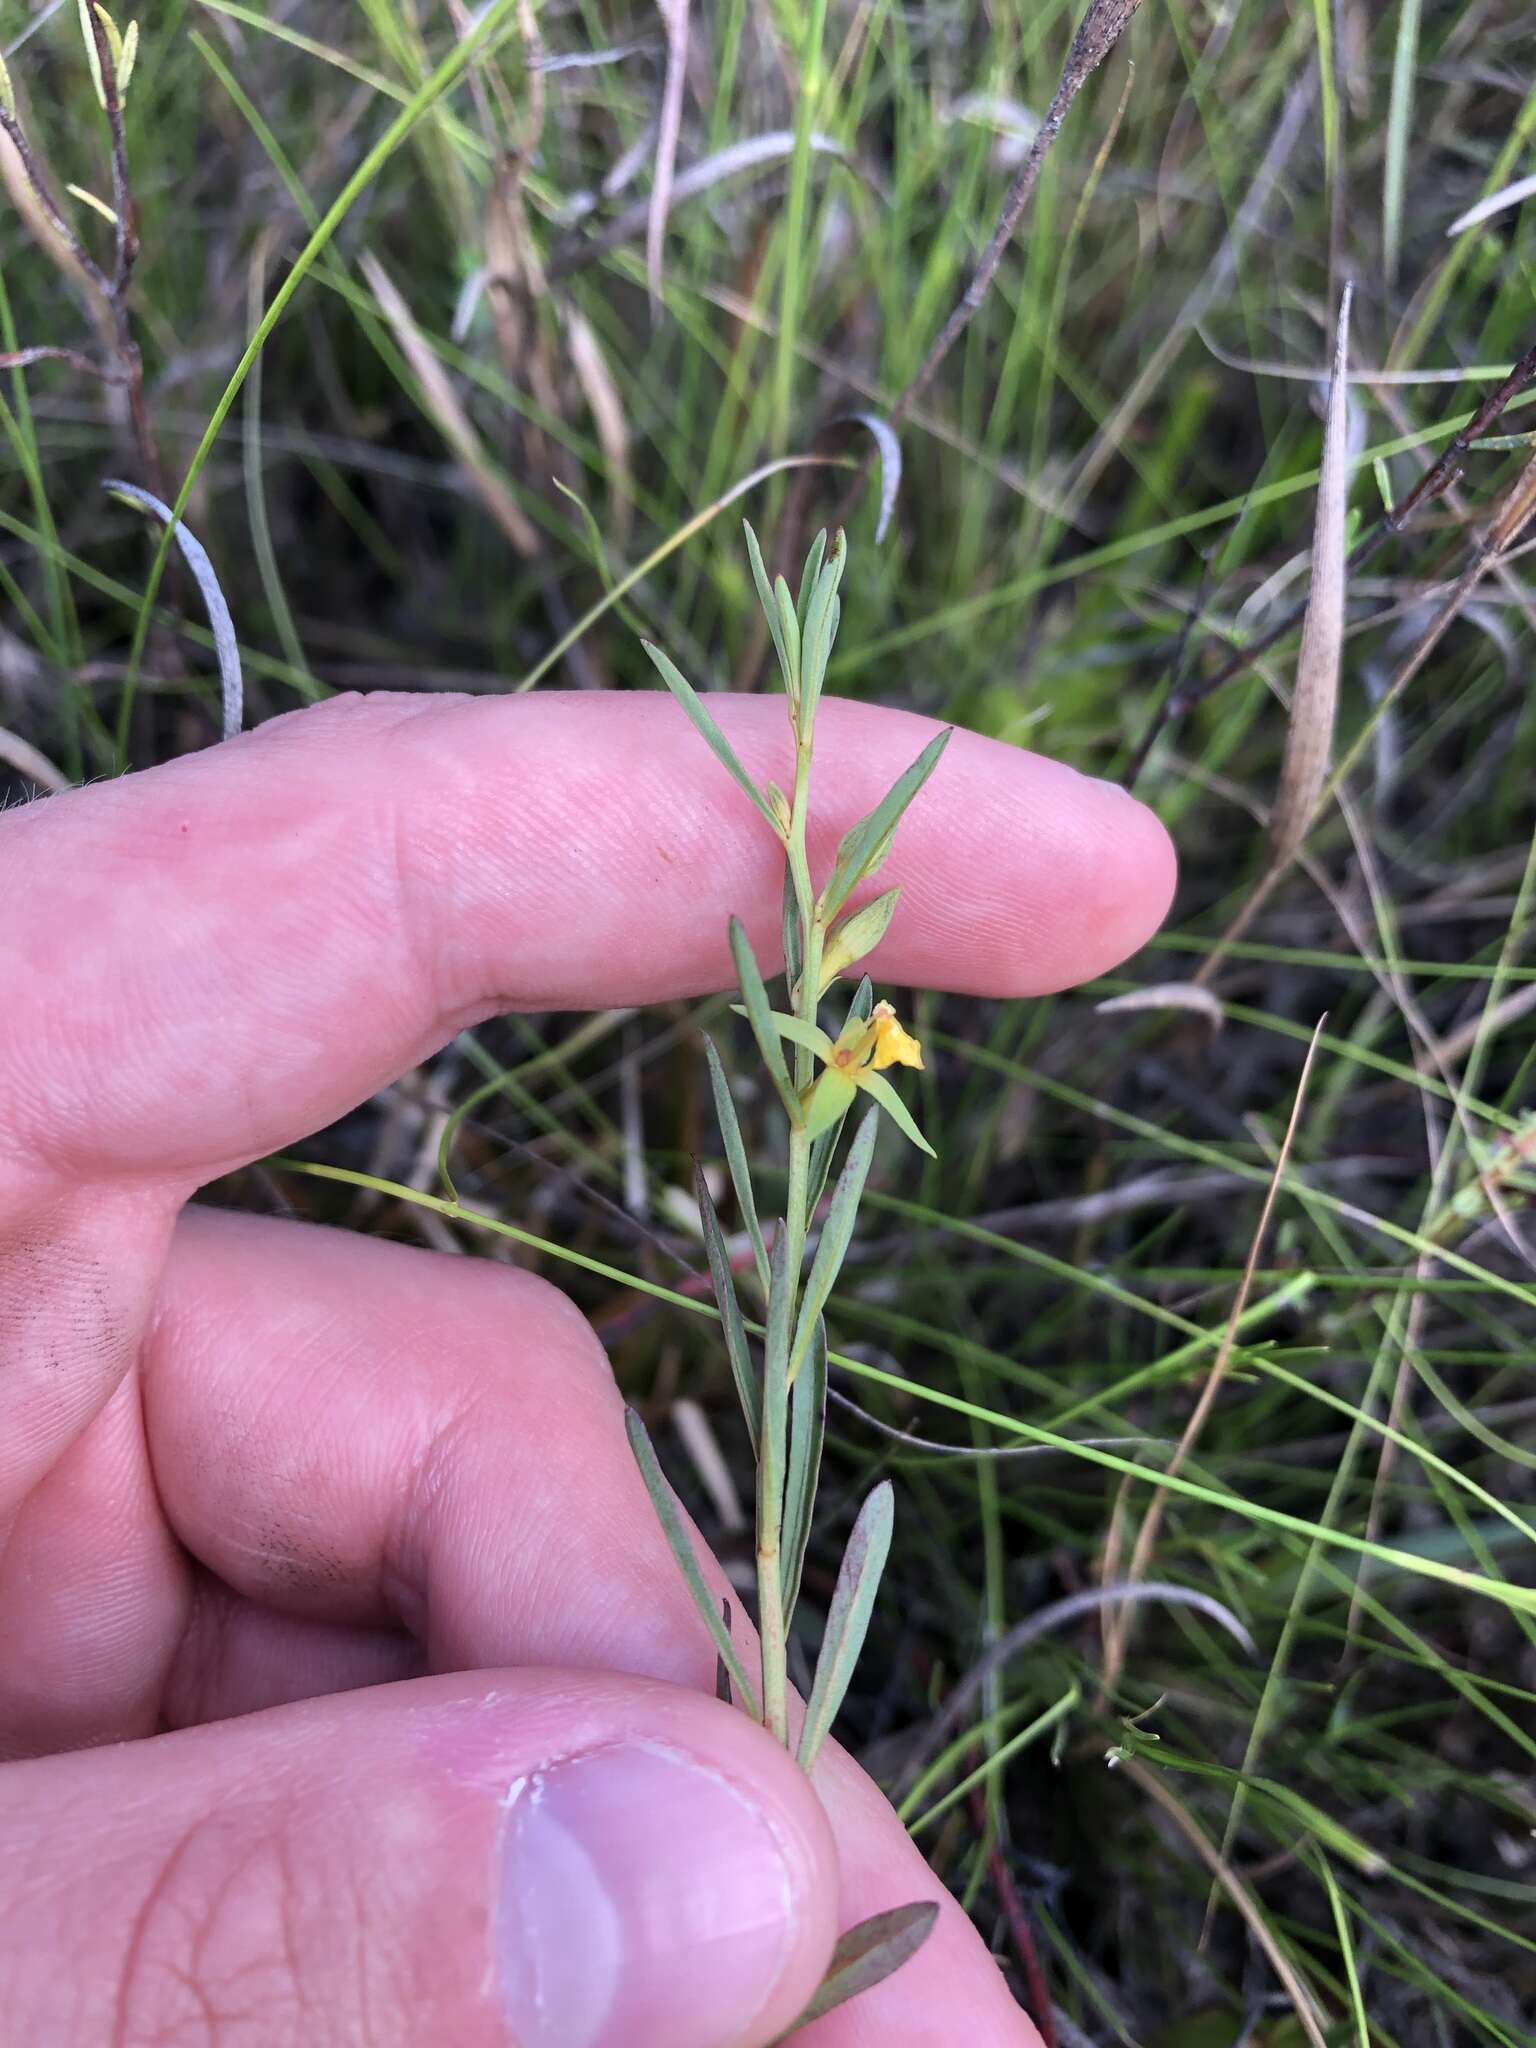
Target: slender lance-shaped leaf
682	1549
820	630
226	647
736	1158
730	1312
795	1029
858	1581
866	1955
1309	741
789	633
767	600
811	571
708	731
865	845
881	1089
837	1233
770	1489
794	938
826	1144
754	997
807	1432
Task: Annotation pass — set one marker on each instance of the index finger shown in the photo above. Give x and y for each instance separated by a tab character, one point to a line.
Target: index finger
211	958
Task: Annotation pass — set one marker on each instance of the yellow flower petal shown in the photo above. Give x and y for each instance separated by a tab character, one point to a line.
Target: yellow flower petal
893	1046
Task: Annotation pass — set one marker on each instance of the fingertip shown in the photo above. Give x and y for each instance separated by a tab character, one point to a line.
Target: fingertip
1022	877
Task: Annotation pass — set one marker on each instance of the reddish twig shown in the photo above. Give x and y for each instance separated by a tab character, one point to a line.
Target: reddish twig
1017	1915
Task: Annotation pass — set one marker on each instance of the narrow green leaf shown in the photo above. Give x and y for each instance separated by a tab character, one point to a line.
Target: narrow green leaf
129	58
836	1235
92	58
708	731
724	1285
865	1956
811	571
736	1157
857	935
754	998
881	1089
789	633
811	1036
820	631
765	596
114	40
858	1581
807	1431
771	1453
682	1549
865	845
794	948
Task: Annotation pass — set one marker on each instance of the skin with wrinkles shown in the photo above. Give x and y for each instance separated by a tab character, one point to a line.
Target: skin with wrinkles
247	1468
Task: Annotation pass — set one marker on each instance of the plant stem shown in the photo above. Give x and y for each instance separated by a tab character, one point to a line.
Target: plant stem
773	1456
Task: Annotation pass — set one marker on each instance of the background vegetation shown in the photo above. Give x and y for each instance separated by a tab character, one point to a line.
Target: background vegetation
473	415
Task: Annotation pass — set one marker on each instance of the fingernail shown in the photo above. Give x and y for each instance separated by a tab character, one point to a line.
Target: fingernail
643	1899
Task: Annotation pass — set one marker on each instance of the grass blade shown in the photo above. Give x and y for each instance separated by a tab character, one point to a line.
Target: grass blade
866	1955
858	1581
730	1312
736	1158
708	731
754	1000
807	1432
865	845
225	646
836	1235
1405	63
1309	741
681	1546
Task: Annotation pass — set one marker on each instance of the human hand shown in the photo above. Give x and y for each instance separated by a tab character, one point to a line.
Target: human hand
351	1692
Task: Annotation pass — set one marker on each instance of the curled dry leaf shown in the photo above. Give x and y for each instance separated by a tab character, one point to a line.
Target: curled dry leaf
1166	995
1494	202
1314	702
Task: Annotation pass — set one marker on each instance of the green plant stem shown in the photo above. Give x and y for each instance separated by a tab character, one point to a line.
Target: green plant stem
771	1466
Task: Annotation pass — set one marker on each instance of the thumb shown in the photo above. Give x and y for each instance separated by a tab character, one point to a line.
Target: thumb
545	1859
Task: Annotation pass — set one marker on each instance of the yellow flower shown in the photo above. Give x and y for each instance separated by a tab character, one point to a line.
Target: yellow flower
853	1061
893	1046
